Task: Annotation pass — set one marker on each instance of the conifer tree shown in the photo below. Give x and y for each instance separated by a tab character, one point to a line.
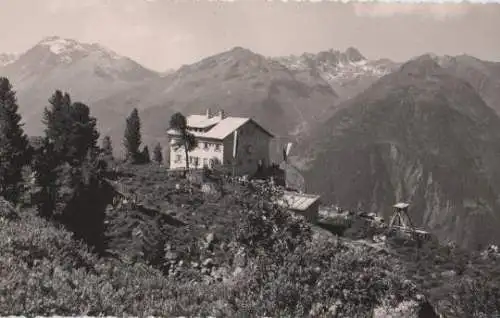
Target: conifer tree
47	168
14	147
68	170
132	139
70	128
107	147
145	155
84	209
58	122
157	154
84	135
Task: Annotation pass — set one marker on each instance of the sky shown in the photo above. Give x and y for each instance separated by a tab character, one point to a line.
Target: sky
165	34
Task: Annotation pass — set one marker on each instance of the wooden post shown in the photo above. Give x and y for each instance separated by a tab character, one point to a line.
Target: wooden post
235	147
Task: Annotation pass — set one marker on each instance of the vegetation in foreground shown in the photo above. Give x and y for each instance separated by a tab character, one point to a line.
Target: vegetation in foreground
236	255
185	252
260	262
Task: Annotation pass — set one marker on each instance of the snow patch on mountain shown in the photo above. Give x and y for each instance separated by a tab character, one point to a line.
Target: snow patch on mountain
167	72
350	70
59	45
6	59
335	66
69	50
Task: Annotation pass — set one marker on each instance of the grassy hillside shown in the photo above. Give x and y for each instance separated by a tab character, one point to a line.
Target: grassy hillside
230	255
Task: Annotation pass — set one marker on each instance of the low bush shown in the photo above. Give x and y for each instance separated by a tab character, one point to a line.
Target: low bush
240	255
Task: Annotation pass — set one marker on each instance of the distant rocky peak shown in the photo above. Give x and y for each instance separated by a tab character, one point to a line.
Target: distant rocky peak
241	50
6	58
423	65
58	45
336	57
354	55
237	57
62	46
331	56
242	54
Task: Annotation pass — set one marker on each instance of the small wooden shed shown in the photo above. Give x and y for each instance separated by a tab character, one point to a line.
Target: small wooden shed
304	204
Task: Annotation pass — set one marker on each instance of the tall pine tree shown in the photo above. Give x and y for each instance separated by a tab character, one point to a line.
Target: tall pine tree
107	147
84	133
57	119
47	170
70	128
132	139
69	172
84	209
145	155
157	154
14	147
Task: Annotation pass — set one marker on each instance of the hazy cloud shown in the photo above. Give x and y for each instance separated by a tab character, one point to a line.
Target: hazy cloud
168	33
60	6
437	11
179	38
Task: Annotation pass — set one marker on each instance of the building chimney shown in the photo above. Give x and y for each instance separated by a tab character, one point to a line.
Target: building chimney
221	114
209	113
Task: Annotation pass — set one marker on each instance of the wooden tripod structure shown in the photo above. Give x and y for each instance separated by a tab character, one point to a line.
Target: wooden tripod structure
401	221
401	218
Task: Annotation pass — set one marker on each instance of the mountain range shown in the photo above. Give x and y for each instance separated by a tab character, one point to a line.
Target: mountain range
89	72
347	72
296	90
420	135
367	132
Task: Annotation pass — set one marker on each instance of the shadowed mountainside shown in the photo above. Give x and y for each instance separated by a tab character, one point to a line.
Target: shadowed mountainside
240	82
484	76
419	135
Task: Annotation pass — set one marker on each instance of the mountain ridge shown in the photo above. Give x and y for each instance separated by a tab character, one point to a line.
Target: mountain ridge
88	72
240	81
348	72
404	139
225	75
293	93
